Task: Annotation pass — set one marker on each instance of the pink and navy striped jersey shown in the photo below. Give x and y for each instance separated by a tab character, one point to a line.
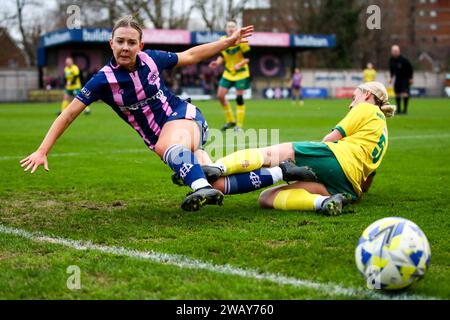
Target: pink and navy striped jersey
140	98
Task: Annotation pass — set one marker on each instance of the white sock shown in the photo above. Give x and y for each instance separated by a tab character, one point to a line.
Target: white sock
318	202
277	174
200	183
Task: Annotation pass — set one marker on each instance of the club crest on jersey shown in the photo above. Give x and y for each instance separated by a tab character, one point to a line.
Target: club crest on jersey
153	77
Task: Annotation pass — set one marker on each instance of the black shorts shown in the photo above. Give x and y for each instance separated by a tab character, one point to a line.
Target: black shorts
401	86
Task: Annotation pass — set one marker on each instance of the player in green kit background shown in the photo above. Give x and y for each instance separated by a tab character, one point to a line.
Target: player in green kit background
236	74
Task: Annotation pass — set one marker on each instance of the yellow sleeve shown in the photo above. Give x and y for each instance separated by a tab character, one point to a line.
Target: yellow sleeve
244	47
353	121
75	71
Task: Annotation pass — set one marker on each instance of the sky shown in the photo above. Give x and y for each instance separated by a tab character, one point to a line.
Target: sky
8	8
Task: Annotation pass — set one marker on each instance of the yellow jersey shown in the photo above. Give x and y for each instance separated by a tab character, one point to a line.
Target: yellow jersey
232	56
72	75
364	143
369	75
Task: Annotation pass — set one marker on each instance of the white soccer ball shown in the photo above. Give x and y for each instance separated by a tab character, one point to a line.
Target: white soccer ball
392	253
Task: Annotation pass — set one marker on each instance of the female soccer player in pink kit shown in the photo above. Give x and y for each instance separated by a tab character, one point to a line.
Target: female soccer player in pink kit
134	88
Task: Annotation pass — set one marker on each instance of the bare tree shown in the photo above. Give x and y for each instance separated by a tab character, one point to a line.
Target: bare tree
94	13
171	14
30	29
216	13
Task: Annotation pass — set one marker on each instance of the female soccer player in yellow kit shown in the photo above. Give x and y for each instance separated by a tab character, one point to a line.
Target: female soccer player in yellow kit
236	74
73	84
344	162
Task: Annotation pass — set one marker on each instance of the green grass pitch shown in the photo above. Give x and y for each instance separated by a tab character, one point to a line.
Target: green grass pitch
104	186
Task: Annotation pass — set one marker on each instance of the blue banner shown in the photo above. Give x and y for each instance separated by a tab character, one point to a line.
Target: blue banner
313	41
205	37
314	92
417	92
198	37
75	35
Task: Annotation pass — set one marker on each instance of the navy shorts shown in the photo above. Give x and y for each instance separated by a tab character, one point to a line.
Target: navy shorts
186	110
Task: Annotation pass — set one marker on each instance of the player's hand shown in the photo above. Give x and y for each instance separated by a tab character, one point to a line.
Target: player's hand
411	81
213	64
34	160
241	35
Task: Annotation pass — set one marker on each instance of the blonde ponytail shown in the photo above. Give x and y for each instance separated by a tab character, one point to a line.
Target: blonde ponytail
388	110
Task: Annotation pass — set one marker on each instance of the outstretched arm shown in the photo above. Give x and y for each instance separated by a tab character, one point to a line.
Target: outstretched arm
198	53
39	157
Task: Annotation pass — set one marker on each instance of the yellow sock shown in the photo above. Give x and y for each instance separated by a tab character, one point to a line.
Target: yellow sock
64	105
228	113
242	161
240	115
295	199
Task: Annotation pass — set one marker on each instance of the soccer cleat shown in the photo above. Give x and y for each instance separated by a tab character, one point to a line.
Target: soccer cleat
238	129
201	197
228	125
212	173
292	172
332	206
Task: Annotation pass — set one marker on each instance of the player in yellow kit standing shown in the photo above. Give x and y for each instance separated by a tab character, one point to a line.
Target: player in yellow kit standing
236	74
73	84
369	73
344	162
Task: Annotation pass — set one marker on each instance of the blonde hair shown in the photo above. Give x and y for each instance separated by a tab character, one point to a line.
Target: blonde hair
128	21
380	96
388	110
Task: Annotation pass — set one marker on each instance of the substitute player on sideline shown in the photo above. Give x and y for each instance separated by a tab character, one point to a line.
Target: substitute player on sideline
236	74
132	85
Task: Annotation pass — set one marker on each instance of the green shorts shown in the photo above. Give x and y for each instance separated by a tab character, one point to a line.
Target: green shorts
321	159
73	92
243	84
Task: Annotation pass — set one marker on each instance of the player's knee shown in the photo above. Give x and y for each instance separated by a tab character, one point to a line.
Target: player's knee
221	98
239	100
160	148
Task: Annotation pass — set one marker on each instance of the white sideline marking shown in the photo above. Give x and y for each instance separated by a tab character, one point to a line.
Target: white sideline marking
189	263
125	151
